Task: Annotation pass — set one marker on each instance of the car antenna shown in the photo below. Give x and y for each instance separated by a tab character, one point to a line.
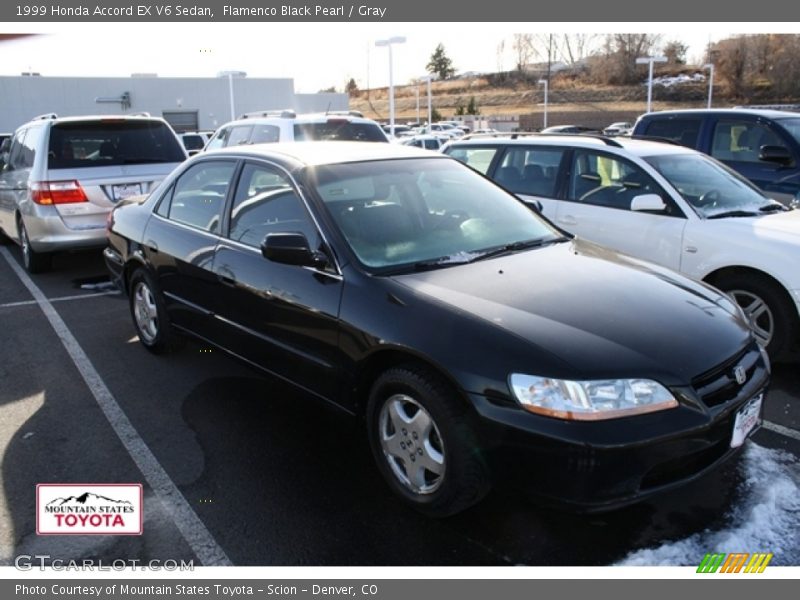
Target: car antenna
328	109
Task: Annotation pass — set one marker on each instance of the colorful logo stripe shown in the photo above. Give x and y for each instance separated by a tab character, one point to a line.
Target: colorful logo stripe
735	562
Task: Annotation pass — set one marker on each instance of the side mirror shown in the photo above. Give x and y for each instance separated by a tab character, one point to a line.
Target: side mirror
776	154
534	205
648	202
291	249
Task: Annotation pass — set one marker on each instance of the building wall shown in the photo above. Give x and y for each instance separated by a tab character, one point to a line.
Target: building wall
22	98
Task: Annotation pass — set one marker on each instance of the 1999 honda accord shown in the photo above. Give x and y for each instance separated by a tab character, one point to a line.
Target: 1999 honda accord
466	331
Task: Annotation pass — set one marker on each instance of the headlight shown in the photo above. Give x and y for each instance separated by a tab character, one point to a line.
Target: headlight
590	400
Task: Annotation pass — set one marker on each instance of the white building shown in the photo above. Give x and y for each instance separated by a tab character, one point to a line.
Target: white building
188	103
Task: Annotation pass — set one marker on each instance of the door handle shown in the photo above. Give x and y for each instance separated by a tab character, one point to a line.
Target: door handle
226	277
568	220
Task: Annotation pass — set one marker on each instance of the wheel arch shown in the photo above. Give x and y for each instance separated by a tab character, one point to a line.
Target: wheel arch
714	277
383	359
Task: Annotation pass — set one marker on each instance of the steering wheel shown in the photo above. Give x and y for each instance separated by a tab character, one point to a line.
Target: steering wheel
709	198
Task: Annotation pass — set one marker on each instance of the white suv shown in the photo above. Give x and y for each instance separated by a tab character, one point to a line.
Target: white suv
285	126
663	203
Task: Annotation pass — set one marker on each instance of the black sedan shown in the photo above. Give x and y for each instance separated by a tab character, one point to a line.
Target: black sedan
471	336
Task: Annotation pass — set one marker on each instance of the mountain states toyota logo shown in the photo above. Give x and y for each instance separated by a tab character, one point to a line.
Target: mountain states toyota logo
89	509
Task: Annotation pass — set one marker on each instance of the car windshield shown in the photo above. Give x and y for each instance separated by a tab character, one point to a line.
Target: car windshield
414	214
710	187
792	126
339	130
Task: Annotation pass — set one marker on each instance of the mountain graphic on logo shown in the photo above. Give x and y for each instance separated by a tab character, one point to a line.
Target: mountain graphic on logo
86	499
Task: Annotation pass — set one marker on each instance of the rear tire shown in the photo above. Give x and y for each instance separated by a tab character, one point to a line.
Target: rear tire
424	443
33	261
149	315
770	312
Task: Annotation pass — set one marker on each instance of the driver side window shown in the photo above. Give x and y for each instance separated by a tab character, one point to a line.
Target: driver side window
604	180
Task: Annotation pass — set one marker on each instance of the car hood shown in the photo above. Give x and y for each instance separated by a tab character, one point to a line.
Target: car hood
602	313
783	225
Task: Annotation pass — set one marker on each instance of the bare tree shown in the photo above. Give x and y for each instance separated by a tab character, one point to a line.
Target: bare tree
522	45
574	47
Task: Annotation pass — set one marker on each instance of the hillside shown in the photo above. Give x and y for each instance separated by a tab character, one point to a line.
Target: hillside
570	101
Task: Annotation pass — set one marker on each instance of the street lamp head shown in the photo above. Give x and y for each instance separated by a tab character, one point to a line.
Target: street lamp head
708	66
398	39
542	82
643	60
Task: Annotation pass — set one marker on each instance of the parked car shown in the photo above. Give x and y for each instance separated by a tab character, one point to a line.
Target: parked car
569	129
666	204
466	332
286	126
400	131
429	142
63	176
194	141
763	145
619	128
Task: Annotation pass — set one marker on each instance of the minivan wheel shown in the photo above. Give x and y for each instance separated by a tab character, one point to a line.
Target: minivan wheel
33	261
150	315
424	443
768	310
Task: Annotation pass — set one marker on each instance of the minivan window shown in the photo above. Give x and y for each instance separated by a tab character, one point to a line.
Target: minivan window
683	130
109	142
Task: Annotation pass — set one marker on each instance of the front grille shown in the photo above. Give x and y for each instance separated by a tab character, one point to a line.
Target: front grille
719	385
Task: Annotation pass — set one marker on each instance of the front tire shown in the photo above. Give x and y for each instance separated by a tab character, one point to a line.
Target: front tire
768	309
424	443
149	314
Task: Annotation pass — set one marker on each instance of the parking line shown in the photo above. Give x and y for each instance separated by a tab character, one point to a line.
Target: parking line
186	520
58	299
788	432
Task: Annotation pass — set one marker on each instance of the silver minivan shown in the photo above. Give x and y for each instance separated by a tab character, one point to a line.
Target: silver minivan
61	177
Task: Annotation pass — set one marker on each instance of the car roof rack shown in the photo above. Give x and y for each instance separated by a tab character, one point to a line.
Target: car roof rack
283	114
348	113
656	138
608	141
45	117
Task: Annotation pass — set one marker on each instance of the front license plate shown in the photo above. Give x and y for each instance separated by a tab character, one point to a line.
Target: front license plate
120	192
746	419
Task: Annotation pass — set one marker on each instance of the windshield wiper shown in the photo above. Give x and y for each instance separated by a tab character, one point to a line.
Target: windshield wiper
462	258
517	246
733	213
774	207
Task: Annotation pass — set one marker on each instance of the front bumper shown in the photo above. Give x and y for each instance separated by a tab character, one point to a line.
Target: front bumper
603	465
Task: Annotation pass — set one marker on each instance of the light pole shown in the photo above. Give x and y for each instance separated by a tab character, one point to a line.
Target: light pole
230	75
428	78
710	68
649	60
388	43
544	83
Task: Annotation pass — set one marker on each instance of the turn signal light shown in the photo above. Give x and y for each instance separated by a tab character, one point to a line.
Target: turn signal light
57	192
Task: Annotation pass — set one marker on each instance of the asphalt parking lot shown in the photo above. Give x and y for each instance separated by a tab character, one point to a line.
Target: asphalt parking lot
240	468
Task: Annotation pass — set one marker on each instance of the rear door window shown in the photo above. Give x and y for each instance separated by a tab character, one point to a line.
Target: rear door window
112	142
199	194
530	170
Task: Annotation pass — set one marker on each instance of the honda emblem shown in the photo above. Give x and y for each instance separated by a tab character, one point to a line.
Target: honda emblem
740	374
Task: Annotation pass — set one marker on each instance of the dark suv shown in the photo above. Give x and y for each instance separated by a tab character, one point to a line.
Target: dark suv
762	145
